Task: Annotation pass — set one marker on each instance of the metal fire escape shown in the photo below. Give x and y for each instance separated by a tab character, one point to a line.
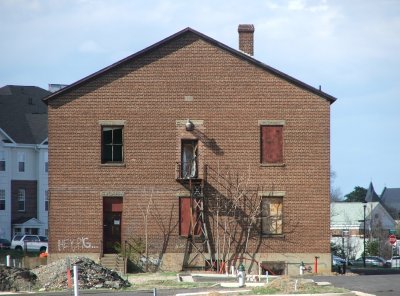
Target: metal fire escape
197	241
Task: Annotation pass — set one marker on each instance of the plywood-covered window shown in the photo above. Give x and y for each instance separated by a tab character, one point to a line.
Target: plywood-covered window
271	144
272	215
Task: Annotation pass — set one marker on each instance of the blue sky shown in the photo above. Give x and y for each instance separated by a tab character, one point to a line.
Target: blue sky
349	47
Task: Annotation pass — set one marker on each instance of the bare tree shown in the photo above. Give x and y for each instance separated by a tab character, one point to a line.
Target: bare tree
336	194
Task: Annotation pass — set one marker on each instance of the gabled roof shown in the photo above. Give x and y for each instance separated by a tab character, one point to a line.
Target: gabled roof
23	115
28	222
210	40
371	194
390	197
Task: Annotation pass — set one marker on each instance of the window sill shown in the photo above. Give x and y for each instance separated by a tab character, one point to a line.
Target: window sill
272	235
111	164
272	164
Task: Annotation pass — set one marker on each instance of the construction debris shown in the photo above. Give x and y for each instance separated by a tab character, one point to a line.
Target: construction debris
90	275
54	277
16	279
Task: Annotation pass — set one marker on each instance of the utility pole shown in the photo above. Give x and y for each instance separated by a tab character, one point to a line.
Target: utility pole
365	206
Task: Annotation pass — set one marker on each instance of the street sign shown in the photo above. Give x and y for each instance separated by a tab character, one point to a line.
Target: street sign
392	239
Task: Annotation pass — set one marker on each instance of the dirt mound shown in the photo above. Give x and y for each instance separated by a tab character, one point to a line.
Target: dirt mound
90	275
16	279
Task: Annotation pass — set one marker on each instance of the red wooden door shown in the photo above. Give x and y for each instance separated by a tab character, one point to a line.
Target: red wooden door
188	218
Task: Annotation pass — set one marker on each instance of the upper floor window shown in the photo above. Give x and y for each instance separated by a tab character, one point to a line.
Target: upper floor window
272	142
2	199
112	144
2	161
21	162
272	215
189	157
46	200
21	200
46	162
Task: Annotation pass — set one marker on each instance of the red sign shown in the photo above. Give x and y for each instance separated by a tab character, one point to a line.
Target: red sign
392	239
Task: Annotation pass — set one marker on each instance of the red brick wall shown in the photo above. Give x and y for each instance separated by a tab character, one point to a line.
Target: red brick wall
30	200
230	95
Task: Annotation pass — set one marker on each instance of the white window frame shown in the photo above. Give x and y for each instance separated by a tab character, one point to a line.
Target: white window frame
3	199
21	198
46	162
3	161
46	200
21	162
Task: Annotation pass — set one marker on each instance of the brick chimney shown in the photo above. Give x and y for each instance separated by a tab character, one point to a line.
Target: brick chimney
246	39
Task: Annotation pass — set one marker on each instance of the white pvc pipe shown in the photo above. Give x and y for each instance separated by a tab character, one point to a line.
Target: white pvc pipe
76	291
233	270
8	260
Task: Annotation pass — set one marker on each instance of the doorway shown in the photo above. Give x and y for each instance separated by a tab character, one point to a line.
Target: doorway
189	159
112	224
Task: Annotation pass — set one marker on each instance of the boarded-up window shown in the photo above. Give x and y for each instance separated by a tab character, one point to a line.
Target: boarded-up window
188	215
271	215
271	144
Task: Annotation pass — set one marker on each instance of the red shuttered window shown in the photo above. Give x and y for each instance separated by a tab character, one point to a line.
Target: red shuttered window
271	144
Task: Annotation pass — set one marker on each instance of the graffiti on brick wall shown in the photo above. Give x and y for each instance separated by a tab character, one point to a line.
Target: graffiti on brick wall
75	244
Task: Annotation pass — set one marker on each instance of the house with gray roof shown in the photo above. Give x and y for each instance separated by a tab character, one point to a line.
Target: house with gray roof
390	197
23	161
371	195
347	224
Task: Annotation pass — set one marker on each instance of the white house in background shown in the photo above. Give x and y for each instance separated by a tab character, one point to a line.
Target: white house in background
23	161
347	224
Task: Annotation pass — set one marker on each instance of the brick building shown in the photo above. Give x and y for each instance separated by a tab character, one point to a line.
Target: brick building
199	151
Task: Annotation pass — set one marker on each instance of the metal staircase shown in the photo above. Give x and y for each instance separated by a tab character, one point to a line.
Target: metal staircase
197	242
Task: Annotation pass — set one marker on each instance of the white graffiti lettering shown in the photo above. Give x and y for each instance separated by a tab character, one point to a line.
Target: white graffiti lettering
75	244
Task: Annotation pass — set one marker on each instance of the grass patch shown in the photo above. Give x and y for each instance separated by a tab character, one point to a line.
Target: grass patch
161	280
167	284
286	285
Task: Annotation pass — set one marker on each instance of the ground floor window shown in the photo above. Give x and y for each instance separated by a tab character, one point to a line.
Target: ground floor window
34	231
2	199
271	215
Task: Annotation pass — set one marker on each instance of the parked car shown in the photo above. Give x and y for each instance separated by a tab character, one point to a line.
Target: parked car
30	243
4	243
372	261
337	260
394	262
338	264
